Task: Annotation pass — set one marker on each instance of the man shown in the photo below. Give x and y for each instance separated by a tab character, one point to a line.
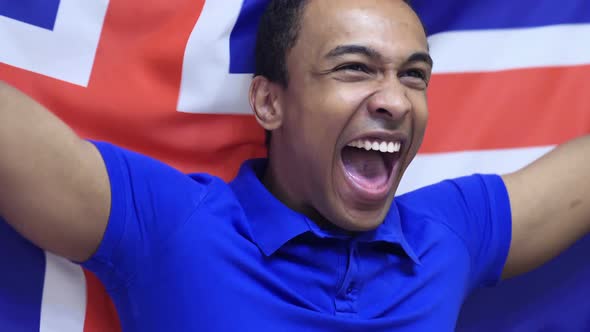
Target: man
312	239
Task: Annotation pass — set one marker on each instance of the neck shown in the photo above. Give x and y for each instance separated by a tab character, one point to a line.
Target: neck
278	180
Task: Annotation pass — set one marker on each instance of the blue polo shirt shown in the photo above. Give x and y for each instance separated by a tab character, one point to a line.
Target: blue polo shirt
193	253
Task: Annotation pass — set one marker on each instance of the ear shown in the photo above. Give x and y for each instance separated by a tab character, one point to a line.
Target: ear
264	102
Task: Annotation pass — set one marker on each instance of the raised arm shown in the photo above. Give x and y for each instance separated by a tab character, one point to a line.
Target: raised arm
550	202
54	189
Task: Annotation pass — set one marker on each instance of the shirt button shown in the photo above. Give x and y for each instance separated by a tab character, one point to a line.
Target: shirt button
350	289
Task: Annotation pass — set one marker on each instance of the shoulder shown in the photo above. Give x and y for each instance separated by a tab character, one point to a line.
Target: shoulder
132	173
464	206
452	197
156	195
461	221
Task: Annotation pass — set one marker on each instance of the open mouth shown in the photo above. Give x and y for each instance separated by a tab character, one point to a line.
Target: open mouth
369	165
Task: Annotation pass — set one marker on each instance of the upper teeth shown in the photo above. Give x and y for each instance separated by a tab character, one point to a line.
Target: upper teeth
381	146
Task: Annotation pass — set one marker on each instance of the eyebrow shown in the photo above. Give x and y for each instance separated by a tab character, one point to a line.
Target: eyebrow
421	57
371	53
353	49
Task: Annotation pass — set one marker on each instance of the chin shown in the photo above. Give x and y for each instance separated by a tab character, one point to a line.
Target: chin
364	220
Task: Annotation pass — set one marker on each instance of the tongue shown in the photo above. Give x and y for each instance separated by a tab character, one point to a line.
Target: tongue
366	168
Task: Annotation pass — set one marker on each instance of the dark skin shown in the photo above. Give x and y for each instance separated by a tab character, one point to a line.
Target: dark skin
362	68
358	68
354	72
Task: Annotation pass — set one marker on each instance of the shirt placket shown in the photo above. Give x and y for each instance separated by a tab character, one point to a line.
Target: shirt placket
348	292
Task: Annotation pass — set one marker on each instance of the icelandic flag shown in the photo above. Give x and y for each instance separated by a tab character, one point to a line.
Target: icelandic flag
510	84
169	78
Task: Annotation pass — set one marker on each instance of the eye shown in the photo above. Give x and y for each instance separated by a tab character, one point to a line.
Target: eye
417	73
415	77
354	67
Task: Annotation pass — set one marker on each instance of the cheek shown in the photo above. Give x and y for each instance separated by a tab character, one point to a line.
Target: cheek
311	130
326	117
321	110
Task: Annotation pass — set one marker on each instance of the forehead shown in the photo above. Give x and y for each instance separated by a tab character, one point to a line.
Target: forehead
389	26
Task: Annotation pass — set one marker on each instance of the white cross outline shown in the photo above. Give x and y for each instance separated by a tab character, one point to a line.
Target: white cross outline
63	305
207	87
67	52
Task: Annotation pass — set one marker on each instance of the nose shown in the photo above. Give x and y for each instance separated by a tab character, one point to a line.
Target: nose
390	101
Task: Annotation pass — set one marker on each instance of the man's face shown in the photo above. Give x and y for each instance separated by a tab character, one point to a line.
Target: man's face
357	80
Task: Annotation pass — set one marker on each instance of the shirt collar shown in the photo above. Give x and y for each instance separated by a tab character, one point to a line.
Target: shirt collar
274	224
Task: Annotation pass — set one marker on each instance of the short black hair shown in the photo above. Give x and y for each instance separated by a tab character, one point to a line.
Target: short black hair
278	31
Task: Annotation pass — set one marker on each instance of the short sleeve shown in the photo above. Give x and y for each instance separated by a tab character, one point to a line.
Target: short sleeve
149	202
477	209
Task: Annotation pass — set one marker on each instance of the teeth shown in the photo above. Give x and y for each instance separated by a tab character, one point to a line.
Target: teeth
381	146
390	147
